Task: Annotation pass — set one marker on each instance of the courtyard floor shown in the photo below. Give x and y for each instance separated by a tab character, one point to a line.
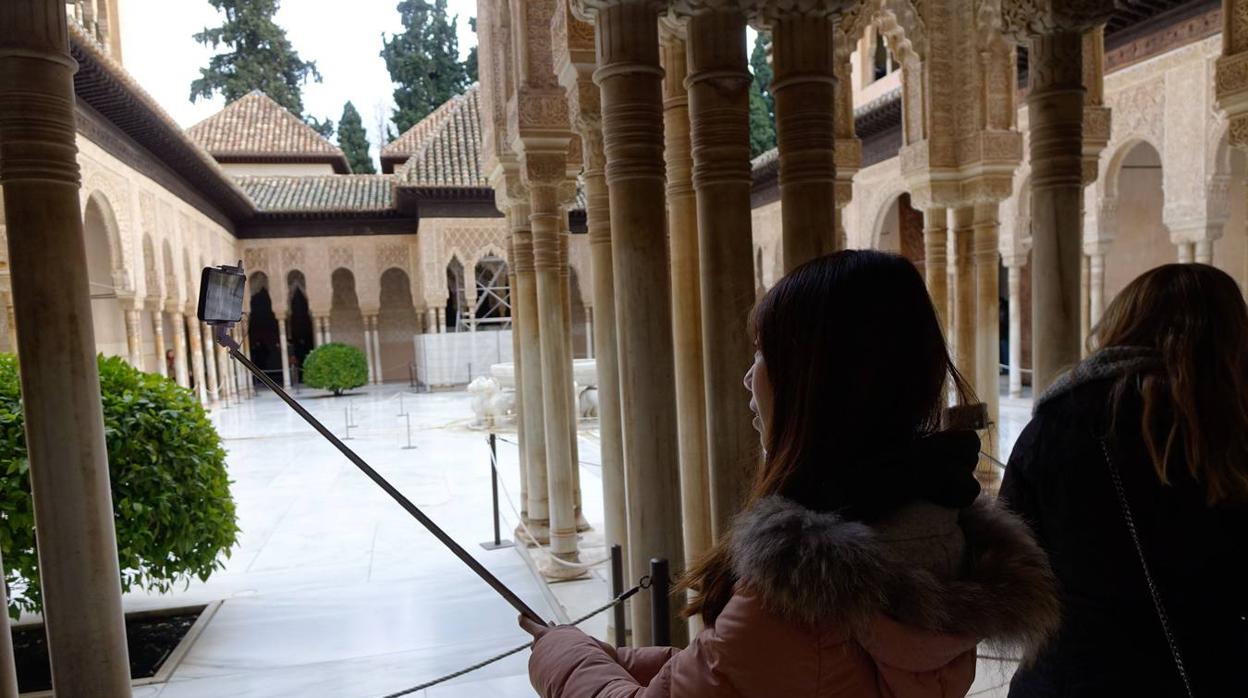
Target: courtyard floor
334	591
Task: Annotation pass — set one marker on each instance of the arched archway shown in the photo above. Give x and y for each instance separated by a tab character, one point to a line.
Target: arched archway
454	293
900	230
108	317
397	322
299	333
266	350
493	309
345	318
1141	239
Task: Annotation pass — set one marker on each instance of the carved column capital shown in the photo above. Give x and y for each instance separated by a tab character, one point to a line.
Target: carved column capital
1024	18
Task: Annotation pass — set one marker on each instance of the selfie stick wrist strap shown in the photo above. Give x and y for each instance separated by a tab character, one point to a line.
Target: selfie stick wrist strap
223	338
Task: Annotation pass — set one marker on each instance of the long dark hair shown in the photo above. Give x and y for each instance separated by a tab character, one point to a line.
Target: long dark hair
1195	402
857	363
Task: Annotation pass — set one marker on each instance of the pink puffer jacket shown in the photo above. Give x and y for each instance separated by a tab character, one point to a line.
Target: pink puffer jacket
829	608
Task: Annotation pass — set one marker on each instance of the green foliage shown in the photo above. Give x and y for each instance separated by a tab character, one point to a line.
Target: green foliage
470	63
423	61
257	56
172	508
762	104
325	128
354	141
336	367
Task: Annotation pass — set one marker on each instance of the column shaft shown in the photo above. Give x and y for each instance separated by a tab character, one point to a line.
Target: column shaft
565	292
8	667
682	217
629	77
1203	251
197	358
64	423
210	363
987	273
718	111
179	350
1016	330
1096	287
1055	104
556	370
963	295
158	333
525	302
615	511
281	340
518	406
381	370
804	88
935	253
134	341
1186	252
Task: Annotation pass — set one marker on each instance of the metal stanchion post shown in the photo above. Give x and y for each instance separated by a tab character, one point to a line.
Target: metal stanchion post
498	541
402	412
617	588
346	418
409	433
660	624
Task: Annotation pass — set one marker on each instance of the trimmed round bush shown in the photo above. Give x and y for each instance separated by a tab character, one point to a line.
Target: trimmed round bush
172	508
336	367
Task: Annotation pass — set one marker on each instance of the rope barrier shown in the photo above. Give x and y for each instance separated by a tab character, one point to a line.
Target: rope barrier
520	521
644	583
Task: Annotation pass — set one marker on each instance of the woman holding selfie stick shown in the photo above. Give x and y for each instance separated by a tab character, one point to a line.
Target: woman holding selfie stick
864	563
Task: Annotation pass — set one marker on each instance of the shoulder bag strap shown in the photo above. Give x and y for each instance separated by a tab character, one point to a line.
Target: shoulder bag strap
1148	575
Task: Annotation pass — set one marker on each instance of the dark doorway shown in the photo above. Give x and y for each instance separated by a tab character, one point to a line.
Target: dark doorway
262	326
299	333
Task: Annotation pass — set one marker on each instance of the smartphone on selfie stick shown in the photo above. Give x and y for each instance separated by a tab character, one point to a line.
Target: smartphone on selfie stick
221	306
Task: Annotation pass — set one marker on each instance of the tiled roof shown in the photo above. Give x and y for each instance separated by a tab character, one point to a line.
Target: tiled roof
445	146
320	193
255	126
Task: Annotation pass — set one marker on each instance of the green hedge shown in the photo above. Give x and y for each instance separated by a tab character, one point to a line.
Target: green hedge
335	367
172	508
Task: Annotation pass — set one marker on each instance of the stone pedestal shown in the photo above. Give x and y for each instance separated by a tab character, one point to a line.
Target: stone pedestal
630	79
718	85
64	424
682	217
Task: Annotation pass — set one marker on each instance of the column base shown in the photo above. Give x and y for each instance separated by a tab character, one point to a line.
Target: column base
582	524
540	529
552	571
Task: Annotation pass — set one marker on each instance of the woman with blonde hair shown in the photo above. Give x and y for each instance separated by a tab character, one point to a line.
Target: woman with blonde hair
864	564
1134	475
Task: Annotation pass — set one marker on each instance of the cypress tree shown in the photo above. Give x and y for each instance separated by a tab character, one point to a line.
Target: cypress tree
762	105
354	141
257	56
423	61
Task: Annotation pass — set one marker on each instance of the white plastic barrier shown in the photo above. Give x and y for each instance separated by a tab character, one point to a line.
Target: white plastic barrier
455	358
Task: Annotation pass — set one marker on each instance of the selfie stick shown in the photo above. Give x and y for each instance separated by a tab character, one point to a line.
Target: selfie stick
221	333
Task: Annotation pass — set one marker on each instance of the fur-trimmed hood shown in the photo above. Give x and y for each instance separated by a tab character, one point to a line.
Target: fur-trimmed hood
815	568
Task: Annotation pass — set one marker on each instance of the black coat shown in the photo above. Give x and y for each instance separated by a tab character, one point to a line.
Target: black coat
1111	642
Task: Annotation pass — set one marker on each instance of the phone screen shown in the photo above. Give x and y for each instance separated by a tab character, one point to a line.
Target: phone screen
221	294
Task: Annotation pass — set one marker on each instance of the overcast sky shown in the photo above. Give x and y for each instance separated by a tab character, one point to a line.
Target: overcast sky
343	37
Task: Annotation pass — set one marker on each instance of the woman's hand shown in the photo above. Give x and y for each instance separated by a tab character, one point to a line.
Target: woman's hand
532	627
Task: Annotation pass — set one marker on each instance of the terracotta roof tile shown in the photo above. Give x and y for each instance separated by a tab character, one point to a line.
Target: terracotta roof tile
256	126
446	146
320	193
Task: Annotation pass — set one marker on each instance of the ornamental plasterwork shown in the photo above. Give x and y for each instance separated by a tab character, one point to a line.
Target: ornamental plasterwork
341	257
392	255
115	195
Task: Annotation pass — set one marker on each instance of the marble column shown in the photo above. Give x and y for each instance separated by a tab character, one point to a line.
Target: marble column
1186	252
1014	282
565	292
718	86
134	337
197	358
804	87
179	350
544	172
8	667
1203	251
281	340
987	275
629	78
935	253
64	424
379	375
158	335
589	331
1096	284
682	225
963	295
225	379
531	399
440	319
1085	313
210	363
598	220
518	372
431	321
1055	105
